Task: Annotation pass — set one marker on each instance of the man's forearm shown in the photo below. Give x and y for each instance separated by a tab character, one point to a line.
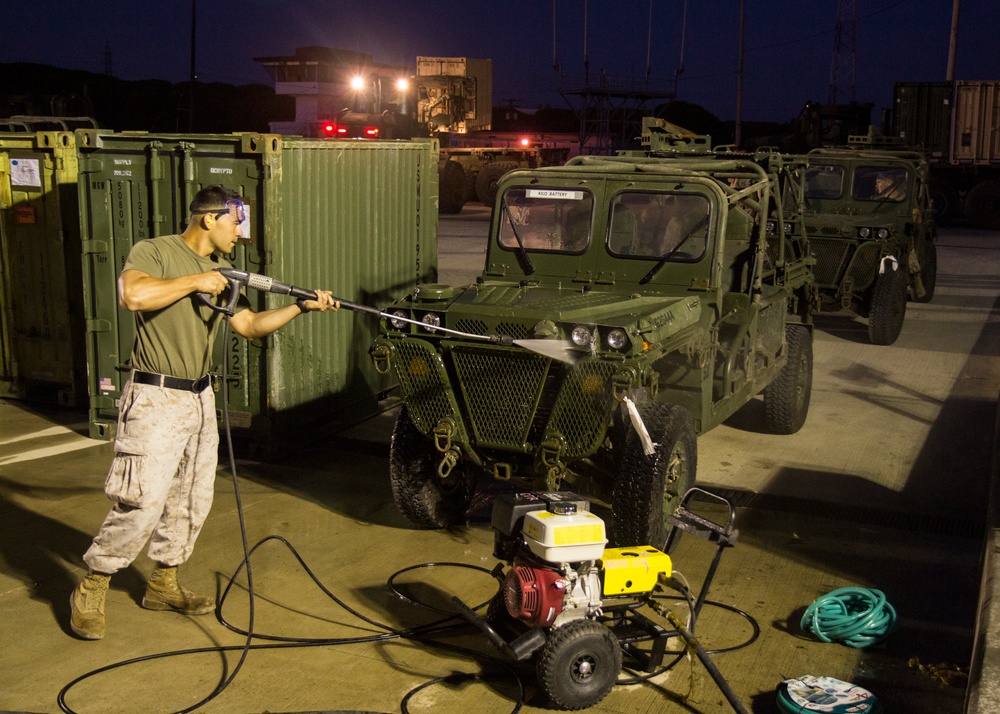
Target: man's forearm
254	325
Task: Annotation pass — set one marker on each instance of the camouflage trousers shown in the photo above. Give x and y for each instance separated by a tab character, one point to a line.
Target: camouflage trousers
162	478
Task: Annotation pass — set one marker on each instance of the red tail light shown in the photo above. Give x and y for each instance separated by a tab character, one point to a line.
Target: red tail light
331	128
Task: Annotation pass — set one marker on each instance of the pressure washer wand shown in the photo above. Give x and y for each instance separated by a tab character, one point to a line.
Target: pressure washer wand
264	283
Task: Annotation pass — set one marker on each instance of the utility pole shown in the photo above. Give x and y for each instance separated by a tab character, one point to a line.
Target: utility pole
738	138
194	76
953	45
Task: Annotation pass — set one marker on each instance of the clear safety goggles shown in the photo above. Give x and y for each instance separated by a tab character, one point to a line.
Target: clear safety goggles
234	209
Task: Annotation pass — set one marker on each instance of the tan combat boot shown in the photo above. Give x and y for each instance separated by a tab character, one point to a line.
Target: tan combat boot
86	604
163	593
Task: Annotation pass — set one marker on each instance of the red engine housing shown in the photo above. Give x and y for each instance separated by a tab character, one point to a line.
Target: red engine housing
534	594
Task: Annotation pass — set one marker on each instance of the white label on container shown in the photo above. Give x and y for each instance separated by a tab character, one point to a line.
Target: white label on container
25	172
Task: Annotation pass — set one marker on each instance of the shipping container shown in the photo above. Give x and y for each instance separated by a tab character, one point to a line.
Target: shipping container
41	294
357	218
977	123
957	126
922	117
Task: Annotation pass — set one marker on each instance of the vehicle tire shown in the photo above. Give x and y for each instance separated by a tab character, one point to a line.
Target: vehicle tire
945	200
982	205
486	182
451	187
928	272
786	399
888	306
579	664
648	488
419	493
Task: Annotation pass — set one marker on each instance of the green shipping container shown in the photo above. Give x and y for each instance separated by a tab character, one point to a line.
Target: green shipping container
358	218
41	294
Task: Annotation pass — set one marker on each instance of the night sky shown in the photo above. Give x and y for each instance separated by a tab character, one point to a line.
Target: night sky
788	58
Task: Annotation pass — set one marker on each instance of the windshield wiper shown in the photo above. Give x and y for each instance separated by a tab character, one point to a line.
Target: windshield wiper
522	254
663	261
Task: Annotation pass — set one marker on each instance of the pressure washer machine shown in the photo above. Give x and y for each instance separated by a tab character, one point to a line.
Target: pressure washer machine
581	611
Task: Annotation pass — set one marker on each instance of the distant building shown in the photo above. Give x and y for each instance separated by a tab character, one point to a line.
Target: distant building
327	82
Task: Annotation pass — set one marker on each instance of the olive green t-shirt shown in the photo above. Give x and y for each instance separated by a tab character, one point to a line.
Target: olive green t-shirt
176	340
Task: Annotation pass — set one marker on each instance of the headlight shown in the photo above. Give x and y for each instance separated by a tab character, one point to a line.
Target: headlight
580	336
864	232
617	339
770	226
788	228
883	233
398	324
431	320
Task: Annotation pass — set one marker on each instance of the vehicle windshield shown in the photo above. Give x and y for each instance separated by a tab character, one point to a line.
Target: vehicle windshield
657	225
546	219
824	182
880	183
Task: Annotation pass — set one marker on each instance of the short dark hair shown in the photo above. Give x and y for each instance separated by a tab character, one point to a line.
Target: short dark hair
212	197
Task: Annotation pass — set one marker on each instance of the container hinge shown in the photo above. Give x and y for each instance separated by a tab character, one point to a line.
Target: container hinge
97	325
90	166
94	246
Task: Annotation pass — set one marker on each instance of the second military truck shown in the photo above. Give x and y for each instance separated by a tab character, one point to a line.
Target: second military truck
627	304
871	228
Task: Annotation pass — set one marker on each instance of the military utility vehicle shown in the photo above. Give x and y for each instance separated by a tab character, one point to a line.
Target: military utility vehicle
871	228
621	297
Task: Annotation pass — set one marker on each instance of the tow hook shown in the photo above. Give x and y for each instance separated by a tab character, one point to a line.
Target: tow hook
449	462
548	454
380	355
622	383
442	435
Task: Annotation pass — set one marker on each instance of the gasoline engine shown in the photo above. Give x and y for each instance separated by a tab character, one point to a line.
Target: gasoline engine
559	568
580	610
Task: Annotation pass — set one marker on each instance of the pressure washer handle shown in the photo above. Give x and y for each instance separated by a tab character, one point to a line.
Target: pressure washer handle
229	307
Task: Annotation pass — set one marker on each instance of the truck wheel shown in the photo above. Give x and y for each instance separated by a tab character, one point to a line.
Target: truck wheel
888	307
786	399
928	272
486	182
421	496
579	664
648	488
451	187
982	205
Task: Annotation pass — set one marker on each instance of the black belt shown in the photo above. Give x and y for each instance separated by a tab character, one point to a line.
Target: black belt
168	382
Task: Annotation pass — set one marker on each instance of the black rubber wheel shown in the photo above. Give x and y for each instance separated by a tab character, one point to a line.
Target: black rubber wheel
888	306
649	488
982	205
486	182
451	187
786	399
420	494
579	664
928	272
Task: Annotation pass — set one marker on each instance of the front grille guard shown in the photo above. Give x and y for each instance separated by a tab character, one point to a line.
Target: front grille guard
844	265
508	399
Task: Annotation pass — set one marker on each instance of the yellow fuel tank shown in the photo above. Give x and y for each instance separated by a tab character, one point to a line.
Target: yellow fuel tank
633	570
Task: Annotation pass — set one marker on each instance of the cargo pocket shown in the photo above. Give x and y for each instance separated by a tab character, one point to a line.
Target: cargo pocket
124	482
